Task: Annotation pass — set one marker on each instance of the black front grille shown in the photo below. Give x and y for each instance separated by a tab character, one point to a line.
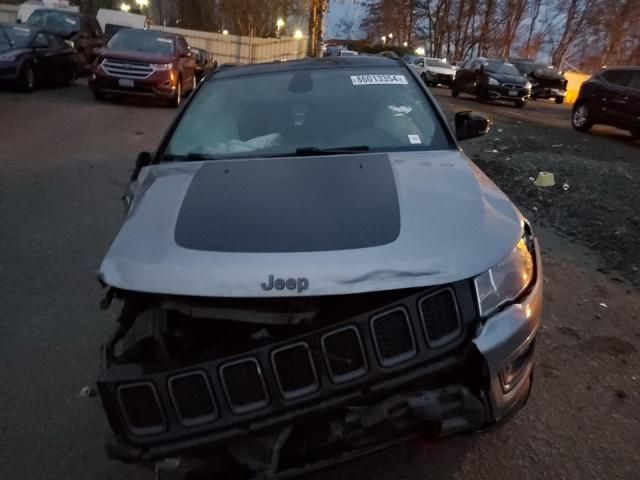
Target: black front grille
192	398
244	385
344	354
141	408
440	317
393	337
295	371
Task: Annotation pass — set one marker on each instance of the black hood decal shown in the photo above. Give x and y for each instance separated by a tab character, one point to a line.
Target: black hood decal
298	204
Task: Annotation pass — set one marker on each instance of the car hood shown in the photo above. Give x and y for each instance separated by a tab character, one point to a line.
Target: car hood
505	78
136	56
12	49
442	70
346	224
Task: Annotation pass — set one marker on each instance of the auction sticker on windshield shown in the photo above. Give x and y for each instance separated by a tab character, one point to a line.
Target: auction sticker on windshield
378	80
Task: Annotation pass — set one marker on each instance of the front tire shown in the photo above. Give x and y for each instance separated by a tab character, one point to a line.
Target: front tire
635	134
454	90
559	100
581	117
27	80
174	102
520	103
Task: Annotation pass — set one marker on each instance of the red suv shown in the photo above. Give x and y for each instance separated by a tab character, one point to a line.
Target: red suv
145	62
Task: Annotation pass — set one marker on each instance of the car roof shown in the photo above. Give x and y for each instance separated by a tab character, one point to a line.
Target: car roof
157	33
627	67
60	10
310	63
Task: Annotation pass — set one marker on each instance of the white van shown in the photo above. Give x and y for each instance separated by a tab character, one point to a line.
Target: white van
26	9
112	20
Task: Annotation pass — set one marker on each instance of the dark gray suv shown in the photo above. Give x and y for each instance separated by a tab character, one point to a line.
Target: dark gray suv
612	97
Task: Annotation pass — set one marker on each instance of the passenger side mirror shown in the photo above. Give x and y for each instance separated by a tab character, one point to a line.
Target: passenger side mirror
471	125
144	160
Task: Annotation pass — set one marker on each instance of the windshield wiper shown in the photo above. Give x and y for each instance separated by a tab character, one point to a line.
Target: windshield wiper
310	151
200	156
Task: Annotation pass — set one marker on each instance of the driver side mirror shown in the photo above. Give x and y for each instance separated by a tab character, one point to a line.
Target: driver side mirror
471	125
144	160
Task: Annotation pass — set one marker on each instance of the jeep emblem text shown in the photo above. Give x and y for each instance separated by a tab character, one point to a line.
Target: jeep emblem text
299	284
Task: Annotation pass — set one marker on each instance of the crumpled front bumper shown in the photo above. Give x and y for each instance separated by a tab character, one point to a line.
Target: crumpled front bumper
463	390
506	339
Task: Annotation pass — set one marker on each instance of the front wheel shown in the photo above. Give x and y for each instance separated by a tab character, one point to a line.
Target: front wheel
559	100
454	90
635	134
581	117
174	102
520	103
27	81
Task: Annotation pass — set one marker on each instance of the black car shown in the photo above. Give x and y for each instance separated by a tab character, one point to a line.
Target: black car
612	97
83	30
492	80
546	81
204	62
31	56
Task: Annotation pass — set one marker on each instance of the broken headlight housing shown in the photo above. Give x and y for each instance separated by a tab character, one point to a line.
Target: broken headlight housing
505	282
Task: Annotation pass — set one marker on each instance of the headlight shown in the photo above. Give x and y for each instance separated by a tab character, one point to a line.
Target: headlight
527	85
8	57
161	66
493	81
505	282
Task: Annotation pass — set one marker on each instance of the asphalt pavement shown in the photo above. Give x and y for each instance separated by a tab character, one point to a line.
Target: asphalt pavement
64	164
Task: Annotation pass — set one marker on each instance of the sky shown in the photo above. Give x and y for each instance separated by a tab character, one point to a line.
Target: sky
339	9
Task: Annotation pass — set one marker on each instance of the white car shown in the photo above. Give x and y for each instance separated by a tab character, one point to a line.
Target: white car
434	71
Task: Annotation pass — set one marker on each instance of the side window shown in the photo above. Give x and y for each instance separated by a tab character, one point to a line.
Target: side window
621	78
419	62
183	45
36	18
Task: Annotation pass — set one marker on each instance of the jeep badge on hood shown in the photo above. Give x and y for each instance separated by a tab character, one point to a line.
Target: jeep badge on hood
299	284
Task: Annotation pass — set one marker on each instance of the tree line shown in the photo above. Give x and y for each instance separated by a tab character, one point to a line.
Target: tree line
585	34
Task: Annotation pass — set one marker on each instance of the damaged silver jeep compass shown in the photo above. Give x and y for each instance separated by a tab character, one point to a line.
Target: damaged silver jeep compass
311	269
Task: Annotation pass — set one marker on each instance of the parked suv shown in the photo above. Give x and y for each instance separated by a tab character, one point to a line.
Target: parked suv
492	80
434	71
311	270
546	80
147	63
612	97
83	30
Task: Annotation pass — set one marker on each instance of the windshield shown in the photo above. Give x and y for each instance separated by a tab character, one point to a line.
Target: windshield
15	36
305	112
501	67
436	63
143	41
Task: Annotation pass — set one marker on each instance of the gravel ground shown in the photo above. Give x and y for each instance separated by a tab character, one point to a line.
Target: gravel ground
595	201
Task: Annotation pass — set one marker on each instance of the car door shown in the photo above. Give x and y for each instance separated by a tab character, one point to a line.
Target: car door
467	80
617	98
418	65
634	99
62	58
43	61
